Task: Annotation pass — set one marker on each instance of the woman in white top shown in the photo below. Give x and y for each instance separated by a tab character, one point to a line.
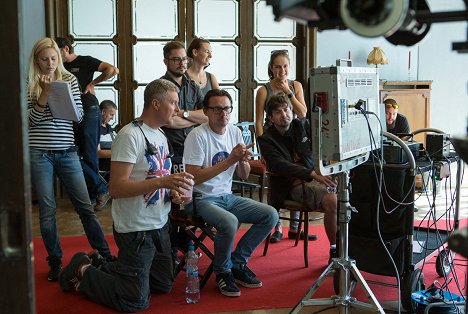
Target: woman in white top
200	53
278	71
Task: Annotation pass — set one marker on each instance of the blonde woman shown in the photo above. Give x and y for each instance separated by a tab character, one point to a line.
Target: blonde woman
53	152
278	72
200	53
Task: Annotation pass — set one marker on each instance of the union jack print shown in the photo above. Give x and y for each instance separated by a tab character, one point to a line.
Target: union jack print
159	166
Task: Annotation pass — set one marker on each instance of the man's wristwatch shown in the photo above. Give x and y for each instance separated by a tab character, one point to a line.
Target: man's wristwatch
186	114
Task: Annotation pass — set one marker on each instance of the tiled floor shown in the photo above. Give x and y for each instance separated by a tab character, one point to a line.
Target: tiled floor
69	224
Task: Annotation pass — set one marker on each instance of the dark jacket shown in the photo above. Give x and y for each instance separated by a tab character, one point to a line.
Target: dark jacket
280	159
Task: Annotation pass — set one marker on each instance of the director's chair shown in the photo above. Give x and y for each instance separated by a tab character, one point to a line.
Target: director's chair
198	231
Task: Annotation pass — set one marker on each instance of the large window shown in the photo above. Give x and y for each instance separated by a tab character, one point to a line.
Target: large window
131	35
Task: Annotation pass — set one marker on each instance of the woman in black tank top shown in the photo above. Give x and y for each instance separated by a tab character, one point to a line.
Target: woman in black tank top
200	53
278	71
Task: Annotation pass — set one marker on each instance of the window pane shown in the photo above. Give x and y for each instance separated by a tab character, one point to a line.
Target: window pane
216	19
255	99
155	19
262	53
225	62
139	101
267	28
92	18
234	92
104	51
148	63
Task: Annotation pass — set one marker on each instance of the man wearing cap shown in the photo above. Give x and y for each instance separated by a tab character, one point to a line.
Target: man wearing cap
397	124
83	67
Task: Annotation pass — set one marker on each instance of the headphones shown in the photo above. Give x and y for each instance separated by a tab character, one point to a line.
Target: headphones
150	148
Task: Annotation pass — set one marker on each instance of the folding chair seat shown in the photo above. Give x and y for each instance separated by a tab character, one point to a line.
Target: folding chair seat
291	206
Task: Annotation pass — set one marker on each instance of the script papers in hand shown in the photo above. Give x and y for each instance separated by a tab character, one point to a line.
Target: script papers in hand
61	102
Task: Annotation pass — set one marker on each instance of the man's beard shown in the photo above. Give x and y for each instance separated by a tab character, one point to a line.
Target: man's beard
391	126
176	74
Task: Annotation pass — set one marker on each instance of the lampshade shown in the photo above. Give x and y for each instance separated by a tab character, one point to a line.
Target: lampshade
377	56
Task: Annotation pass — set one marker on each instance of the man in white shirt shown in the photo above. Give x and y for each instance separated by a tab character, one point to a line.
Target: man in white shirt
142	187
213	151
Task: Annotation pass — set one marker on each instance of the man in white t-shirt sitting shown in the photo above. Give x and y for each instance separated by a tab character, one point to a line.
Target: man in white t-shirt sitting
141	185
213	151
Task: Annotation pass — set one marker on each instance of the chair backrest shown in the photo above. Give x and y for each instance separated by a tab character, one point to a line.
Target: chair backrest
277	192
249	134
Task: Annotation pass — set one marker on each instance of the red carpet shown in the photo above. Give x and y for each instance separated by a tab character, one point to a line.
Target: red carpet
441	224
285	281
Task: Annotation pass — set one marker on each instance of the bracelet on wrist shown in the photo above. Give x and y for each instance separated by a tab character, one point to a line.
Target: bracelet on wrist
290	95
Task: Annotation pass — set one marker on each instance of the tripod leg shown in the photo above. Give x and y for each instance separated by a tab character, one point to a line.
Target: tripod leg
355	271
329	271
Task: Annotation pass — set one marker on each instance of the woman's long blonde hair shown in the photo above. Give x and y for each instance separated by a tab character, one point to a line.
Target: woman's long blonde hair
34	71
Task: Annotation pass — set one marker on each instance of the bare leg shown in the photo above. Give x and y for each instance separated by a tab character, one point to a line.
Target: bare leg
329	204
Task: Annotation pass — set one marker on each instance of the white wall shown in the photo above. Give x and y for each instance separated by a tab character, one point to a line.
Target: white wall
33	28
432	59
449	71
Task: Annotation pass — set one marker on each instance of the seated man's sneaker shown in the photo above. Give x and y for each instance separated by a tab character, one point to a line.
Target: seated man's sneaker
226	284
246	277
293	233
276	237
55	267
71	275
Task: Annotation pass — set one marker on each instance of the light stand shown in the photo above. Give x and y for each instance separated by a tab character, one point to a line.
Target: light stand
344	266
342	97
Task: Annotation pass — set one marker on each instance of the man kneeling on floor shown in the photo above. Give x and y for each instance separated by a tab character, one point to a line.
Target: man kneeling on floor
141	186
213	151
286	148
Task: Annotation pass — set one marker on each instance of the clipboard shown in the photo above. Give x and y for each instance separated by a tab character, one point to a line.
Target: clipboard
61	102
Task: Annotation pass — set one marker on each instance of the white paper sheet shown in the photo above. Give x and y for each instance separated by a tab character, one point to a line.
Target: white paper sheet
61	102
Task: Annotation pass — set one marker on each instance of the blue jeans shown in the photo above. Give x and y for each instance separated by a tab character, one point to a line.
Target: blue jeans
144	265
88	140
226	213
68	168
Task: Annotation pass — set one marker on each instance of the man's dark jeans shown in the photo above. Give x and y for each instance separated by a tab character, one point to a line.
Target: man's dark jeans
87	141
144	266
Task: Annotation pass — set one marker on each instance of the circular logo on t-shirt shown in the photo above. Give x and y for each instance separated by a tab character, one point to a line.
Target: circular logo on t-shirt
218	157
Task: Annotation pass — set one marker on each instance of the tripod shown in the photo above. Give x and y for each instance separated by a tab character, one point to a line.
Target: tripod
342	266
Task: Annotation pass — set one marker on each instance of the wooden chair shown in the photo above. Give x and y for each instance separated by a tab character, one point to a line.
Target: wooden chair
291	206
257	165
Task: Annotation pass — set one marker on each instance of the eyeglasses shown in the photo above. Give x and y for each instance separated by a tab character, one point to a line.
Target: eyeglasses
178	60
218	110
395	106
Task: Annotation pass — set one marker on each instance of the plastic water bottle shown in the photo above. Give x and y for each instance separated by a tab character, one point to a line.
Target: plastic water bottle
192	284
